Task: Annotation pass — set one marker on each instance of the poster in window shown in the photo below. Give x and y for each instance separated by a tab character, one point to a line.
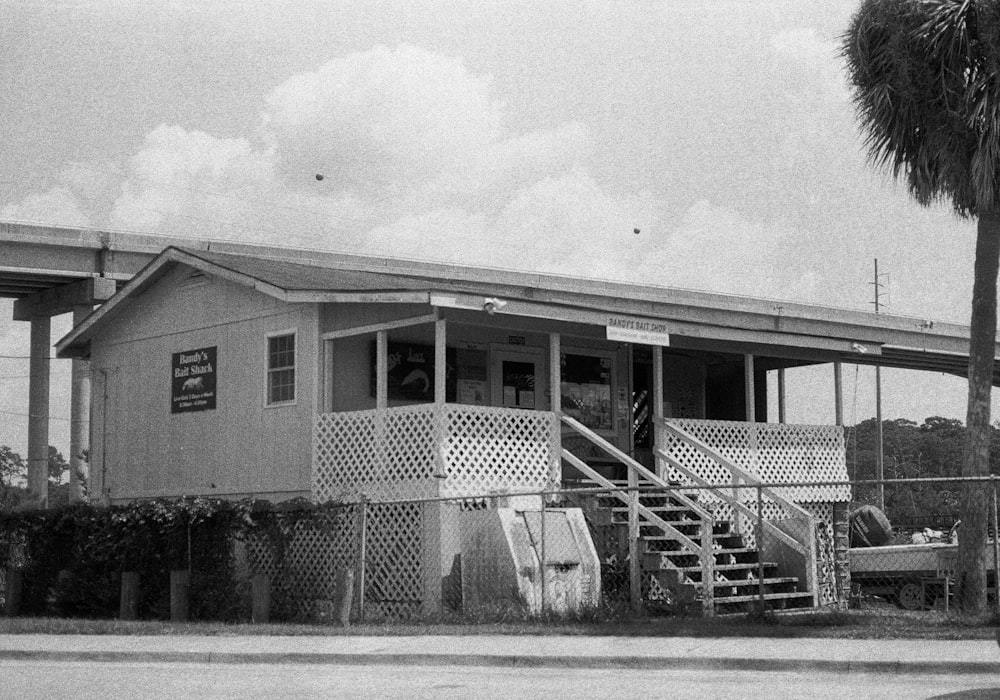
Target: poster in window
411	372
192	381
586	389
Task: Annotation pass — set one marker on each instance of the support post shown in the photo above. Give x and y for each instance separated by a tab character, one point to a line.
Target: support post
38	409
555	403
381	369
781	395
440	387
440	361
760	548
838	393
658	406
79	426
634	555
749	390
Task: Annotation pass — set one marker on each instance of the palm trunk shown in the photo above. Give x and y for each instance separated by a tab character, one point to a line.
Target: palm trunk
970	575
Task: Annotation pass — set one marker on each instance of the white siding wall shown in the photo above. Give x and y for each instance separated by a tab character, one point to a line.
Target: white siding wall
241	447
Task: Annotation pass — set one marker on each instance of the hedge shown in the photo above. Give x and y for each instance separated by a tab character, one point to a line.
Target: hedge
72	558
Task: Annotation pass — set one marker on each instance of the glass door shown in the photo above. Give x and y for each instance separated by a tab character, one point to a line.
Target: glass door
518	379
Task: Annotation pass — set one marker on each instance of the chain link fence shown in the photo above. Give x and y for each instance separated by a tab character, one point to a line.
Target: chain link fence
685	550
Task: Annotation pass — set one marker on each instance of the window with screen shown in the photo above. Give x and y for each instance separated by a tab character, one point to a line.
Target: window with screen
281	368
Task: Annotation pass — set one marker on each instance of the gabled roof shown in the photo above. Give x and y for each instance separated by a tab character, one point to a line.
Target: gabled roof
694	318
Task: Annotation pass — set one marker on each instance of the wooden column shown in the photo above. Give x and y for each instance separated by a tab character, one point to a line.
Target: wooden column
781	395
555	372
555	405
749	389
657	404
838	393
440	361
381	369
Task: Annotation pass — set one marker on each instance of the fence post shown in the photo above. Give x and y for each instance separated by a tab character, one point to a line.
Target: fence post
362	545
634	562
128	604
12	604
760	548
179	586
260	598
542	555
996	549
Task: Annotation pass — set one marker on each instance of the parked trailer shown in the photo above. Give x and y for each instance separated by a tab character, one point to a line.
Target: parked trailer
914	576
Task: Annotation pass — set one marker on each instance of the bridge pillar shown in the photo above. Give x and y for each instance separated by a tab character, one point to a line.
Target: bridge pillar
38	409
79	427
39	308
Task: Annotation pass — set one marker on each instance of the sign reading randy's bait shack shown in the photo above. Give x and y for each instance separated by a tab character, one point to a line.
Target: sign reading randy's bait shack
192	386
638	330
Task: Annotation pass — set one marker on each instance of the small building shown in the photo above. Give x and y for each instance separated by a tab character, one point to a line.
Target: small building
340	378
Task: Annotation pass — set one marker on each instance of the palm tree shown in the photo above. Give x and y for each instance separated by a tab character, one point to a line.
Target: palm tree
925	80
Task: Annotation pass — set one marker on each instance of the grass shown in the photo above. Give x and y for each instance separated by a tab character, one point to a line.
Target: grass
873	623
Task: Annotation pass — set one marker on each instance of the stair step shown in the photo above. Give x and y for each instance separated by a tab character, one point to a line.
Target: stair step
743	582
750	566
801	595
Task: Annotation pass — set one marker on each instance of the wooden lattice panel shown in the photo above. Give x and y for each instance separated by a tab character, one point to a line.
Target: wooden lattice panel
775	453
394	587
496	449
425	451
302	557
380	454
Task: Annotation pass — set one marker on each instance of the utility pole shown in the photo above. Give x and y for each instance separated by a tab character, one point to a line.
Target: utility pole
879	460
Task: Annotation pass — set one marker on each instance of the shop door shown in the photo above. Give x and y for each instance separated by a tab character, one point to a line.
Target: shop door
518	379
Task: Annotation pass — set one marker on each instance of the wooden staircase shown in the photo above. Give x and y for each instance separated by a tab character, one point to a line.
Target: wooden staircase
680	544
741	581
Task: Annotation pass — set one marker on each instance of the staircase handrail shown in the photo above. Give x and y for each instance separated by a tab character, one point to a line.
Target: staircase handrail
635	467
732	468
616	491
732	501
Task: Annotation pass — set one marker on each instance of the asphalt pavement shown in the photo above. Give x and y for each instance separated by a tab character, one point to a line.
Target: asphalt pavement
651	653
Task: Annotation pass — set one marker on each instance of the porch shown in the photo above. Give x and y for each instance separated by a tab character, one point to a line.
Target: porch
711	472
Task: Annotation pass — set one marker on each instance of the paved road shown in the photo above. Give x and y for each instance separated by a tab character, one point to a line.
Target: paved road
42	679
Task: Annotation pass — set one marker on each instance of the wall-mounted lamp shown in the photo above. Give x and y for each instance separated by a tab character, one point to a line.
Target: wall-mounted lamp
491	305
859	348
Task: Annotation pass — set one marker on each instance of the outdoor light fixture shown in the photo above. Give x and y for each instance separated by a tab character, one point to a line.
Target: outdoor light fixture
491	305
859	348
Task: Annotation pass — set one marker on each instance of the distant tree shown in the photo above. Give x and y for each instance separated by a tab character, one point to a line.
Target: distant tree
13	471
925	76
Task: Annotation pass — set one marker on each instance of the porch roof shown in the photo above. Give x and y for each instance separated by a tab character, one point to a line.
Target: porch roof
800	333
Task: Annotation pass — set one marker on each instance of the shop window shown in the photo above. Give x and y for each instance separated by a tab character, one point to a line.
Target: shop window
281	368
586	389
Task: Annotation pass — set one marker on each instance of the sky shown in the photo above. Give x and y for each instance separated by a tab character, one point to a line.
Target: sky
521	135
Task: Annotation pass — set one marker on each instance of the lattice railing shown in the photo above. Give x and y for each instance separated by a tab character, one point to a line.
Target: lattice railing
490	449
424	451
774	453
381	454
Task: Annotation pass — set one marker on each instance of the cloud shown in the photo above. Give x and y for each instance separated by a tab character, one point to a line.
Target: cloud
56	206
395	134
565	224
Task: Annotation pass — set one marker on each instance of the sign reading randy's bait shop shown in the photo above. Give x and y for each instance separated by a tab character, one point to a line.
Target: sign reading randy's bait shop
629	329
192	380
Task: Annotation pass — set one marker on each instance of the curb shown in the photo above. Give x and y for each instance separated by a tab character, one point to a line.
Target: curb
510	661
